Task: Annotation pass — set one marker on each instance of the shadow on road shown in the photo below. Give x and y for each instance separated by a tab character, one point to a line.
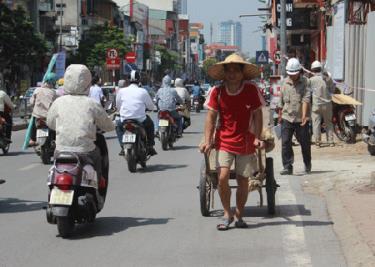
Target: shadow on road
111	137
18	153
184	147
291	222
13	205
106	226
161	167
282	211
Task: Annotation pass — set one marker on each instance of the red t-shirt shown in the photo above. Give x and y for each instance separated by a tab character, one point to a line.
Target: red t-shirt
236	110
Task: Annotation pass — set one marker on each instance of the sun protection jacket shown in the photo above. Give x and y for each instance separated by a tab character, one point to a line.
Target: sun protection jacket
5	100
42	100
181	90
75	116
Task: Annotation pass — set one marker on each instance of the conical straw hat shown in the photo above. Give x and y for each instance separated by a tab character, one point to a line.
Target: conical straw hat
250	71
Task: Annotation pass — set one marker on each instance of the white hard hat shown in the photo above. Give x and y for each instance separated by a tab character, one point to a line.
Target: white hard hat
293	66
316	65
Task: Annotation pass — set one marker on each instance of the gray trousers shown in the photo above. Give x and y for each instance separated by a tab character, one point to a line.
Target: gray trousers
318	113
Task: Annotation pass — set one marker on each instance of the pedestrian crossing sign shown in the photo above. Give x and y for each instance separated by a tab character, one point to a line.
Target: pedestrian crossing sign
261	57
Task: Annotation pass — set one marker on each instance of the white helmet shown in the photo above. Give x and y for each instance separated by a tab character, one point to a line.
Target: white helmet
293	66
316	65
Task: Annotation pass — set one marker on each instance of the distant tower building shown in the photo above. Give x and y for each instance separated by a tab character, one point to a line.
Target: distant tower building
182	6
230	33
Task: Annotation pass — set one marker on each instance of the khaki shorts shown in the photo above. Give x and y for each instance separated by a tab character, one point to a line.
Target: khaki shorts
245	165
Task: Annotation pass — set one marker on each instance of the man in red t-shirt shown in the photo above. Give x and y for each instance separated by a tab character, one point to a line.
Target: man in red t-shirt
238	105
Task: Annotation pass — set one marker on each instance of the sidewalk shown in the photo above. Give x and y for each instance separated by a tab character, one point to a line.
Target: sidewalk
342	175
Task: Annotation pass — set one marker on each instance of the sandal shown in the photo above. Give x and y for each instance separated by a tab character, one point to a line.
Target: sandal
225	224
240	224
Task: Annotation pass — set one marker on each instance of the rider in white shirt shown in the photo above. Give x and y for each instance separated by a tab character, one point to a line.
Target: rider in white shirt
96	91
133	101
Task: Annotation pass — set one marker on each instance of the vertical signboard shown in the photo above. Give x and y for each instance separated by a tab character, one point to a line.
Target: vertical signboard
339	37
60	64
289	13
139	53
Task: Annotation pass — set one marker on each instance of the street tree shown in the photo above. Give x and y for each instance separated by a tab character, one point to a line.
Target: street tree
169	60
96	41
19	43
207	63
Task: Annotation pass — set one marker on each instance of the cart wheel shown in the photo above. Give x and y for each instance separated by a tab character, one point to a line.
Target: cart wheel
205	188
270	186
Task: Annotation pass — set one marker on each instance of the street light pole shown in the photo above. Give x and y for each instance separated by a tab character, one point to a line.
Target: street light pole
283	36
61	14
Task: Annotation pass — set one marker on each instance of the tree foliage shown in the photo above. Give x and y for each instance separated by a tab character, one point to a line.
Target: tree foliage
207	64
19	44
96	41
169	60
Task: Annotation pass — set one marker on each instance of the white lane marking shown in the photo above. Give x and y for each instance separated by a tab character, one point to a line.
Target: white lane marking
293	236
29	167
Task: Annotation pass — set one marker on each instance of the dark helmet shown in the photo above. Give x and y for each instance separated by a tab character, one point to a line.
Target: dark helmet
196	82
134	76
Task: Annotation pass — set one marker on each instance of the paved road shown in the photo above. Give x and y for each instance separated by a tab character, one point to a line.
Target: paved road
152	218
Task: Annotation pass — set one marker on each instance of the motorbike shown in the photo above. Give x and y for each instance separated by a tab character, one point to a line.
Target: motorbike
75	195
182	110
344	122
196	105
368	135
4	141
135	144
45	140
167	129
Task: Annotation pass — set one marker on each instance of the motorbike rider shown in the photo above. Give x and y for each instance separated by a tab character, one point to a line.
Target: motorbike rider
96	91
133	101
198	92
6	107
185	96
119	127
41	100
167	99
76	118
321	104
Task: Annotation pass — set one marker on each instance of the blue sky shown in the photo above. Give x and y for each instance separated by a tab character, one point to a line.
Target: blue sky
214	11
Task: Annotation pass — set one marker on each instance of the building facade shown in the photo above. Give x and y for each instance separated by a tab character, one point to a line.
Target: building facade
230	33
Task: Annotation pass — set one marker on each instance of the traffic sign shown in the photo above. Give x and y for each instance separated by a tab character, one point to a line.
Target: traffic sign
131	57
113	61
112	53
277	57
261	57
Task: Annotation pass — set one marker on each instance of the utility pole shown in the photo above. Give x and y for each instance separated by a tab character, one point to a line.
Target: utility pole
283	36
61	15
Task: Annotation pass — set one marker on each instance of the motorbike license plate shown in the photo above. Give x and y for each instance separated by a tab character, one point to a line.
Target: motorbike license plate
163	123
350	117
128	138
61	197
41	133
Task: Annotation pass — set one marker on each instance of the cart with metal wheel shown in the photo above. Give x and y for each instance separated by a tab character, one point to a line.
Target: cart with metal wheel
264	178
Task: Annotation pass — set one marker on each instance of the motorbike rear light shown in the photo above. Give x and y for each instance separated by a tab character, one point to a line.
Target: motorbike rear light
129	127
41	123
64	181
164	114
102	183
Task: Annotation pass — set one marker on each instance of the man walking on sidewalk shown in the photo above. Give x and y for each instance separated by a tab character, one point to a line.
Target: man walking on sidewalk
321	104
238	106
293	116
